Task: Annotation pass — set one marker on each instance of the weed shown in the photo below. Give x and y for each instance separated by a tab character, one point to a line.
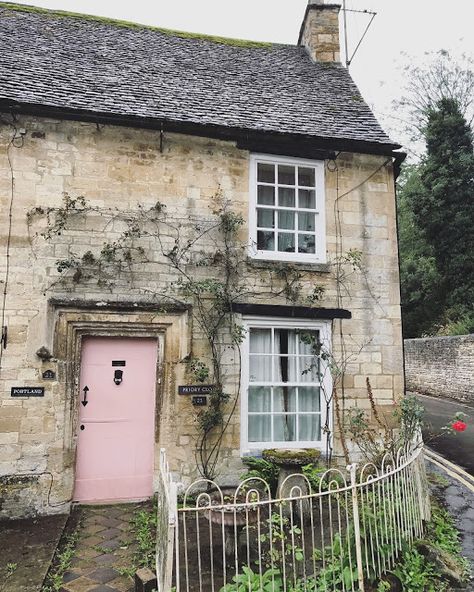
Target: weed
62	561
260	468
415	573
9	570
437	480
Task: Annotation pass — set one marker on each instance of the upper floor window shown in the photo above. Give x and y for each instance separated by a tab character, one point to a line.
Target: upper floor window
287	221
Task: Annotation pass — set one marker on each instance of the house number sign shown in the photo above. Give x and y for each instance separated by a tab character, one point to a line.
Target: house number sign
199	401
195	389
27	391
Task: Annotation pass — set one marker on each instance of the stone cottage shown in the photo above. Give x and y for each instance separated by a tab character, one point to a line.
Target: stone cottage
199	253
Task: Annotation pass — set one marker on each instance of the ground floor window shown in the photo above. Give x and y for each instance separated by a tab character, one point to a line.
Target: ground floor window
283	380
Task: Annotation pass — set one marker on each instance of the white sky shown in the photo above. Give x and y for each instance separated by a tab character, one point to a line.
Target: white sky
410	26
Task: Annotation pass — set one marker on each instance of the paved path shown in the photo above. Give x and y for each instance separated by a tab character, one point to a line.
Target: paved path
26	549
105	547
459	448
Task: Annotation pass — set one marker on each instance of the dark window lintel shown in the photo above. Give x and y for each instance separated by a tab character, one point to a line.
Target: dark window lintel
292	312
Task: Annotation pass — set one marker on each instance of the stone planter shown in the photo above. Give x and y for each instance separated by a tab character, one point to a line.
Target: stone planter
230	518
291	462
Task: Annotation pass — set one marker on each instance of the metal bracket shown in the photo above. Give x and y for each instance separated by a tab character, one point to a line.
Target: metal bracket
3	339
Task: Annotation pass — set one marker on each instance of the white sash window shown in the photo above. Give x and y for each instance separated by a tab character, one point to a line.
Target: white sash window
284	380
287	218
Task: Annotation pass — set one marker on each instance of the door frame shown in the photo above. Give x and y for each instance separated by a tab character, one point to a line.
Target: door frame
171	327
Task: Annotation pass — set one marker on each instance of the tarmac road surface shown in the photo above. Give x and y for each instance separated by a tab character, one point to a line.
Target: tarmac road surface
458	447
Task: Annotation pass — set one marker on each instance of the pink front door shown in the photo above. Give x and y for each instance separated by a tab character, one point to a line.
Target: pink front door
116	423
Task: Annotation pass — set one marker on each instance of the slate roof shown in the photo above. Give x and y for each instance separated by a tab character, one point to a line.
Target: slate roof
82	63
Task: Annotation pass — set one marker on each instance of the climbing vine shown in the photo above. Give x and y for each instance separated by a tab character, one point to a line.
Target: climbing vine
201	263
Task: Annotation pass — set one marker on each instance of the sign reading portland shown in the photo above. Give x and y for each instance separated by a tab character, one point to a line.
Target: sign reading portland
27	391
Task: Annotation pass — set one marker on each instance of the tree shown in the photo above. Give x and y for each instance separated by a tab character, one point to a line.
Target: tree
440	76
442	202
419	277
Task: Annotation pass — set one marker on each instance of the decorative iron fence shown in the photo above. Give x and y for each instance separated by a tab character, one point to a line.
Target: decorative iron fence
338	534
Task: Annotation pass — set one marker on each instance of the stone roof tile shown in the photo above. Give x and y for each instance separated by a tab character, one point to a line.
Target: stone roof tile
83	63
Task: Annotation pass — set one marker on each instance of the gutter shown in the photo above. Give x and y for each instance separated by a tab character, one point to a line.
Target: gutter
249	139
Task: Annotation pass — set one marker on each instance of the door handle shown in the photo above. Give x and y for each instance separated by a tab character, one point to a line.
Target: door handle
85	391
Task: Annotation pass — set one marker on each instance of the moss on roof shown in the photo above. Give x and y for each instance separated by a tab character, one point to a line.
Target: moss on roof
130	25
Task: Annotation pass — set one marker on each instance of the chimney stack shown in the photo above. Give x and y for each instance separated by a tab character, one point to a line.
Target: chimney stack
320	31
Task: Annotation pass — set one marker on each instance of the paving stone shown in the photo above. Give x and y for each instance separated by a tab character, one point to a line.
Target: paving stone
83	564
106	559
103	588
90	541
93	529
70	575
110	533
87	553
103	575
113	544
82	584
122	584
108	521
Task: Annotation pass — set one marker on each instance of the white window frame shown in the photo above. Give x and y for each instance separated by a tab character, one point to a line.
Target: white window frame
324	327
320	226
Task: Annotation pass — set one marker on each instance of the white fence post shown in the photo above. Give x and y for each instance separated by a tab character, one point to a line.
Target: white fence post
166	525
355	514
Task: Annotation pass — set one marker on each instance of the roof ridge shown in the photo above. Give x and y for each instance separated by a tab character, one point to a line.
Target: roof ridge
244	43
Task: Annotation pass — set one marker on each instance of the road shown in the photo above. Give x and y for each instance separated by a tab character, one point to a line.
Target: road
459	447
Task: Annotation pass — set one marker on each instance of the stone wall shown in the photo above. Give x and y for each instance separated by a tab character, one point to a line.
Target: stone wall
441	366
118	167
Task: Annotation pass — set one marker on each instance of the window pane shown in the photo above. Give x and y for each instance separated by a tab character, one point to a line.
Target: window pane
260	398
285	369
306	177
266	172
260	368
309	428
286	242
260	428
286	220
309	369
286	174
306	220
307	199
284	399
286	197
284	428
265	241
309	343
306	243
265	195
260	341
265	218
309	399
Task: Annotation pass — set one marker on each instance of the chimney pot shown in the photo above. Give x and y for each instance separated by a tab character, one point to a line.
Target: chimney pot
319	32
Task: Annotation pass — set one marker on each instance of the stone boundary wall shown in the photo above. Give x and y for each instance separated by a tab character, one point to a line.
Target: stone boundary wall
441	366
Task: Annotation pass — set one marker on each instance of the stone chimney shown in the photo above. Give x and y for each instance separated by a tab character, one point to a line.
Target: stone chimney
320	31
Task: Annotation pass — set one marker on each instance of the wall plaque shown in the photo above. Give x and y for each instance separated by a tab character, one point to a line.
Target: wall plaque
49	375
195	389
199	401
27	391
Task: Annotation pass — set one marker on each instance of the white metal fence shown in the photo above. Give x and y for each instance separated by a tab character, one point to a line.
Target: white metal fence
337	534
